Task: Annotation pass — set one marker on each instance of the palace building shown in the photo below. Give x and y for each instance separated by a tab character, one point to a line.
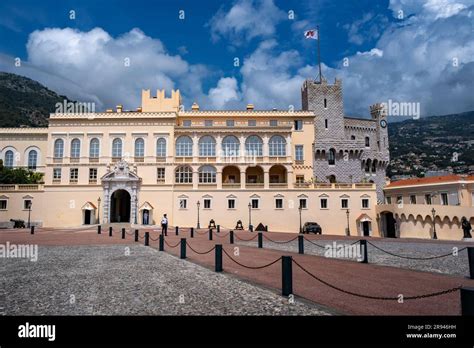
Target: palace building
267	166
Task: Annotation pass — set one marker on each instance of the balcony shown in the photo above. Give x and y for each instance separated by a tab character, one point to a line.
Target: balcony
160	159
21	187
92	181
74	159
278	185
57	160
254	184
73	181
229	185
139	159
93	159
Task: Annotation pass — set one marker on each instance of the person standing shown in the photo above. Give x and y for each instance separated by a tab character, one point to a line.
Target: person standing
466	227
164	225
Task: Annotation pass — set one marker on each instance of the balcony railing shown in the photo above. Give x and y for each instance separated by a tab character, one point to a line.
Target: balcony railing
228	185
21	187
254	184
94	159
278	184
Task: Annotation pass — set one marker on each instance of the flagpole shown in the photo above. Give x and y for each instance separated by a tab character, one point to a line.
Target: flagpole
319	55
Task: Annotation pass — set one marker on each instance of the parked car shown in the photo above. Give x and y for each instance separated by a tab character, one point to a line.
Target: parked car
312	227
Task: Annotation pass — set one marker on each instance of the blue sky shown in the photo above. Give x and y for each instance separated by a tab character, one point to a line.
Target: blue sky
406	57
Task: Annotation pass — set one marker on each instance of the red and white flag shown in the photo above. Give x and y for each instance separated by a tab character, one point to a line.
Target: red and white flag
311	34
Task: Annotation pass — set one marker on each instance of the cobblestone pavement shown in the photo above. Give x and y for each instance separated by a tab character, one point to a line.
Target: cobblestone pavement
103	280
454	265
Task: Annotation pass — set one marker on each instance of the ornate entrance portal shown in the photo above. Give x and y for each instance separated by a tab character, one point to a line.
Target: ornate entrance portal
121	188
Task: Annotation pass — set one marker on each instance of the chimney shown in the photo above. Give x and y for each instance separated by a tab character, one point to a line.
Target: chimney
249	107
195	107
119	108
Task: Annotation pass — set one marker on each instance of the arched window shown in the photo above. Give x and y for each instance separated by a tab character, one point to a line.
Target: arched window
367	165
277	146
254	146
332	157
184	146
161	147
207	175
75	148
207	146
184	175
9	159
58	148
117	148
32	159
230	146
139	147
94	148
367	142
374	166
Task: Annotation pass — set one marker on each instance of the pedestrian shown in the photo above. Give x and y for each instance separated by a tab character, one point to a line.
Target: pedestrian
466	227
164	225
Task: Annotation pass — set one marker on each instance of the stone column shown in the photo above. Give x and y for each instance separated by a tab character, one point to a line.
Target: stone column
218	148
195	148
266	153
242	179
219	178
242	148
266	178
195	178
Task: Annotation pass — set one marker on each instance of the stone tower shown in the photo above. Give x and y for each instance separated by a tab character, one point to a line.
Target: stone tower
347	150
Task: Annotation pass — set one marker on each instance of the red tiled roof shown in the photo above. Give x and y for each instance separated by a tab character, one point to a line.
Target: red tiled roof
429	180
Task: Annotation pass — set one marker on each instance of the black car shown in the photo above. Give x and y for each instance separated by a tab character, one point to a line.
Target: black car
313	227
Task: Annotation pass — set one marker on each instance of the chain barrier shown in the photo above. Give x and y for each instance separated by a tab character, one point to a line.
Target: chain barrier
309	240
222	235
172	246
198	252
412	257
250	267
245	240
154	239
201	233
385	298
279	241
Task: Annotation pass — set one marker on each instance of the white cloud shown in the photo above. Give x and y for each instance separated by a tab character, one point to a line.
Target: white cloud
225	93
245	20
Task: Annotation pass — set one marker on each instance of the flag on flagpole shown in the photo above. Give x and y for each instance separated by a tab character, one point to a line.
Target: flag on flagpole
311	34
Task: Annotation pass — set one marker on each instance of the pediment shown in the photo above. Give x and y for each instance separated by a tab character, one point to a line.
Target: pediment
89	206
121	172
146	206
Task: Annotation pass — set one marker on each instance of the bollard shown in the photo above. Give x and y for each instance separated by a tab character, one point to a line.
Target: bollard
183	249
192	232
110	231
32	229
467	301
266	228
123	232
470	257
218	266
210	234
286	275
218	228
161	243
231	237
260	240
99	229
147	238
300	244
251	228
136	235
176	230
363	246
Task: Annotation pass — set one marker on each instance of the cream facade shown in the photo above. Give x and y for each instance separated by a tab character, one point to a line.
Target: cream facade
412	205
135	166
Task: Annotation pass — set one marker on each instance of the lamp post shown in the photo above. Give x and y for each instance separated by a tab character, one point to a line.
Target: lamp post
433	212
348	231
250	215
300	208
136	210
98	209
198	224
30	203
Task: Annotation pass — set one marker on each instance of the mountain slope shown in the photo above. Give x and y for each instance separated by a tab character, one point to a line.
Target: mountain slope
25	102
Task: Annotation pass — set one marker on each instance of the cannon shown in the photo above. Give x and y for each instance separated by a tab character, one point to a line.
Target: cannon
212	224
18	223
239	225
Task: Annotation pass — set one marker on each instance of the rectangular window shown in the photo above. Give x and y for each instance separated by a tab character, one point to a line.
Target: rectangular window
428	199
252	123
279	203
183	203
27	204
73	174
230	123
299	153
412	199
208	123
303	203
187	123
56	173
344	203
93	174
326	123
231	204
273	123
254	203
160	174
324	203
3	204
399	199
207	204
444	199
300	179
298	125
365	203
388	200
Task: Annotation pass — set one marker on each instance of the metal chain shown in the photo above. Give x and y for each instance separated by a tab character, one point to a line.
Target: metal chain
309	240
246	240
278	241
385	298
198	252
172	246
223	236
414	258
251	267
154	239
